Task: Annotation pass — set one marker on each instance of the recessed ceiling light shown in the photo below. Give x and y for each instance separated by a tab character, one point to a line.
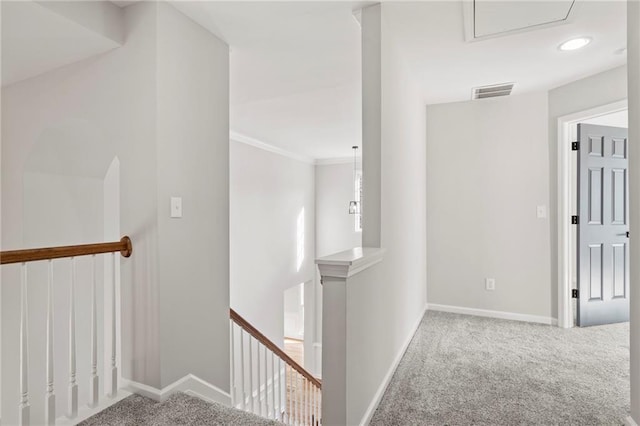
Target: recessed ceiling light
575	43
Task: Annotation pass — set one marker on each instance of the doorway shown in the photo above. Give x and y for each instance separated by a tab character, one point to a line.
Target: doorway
294	314
614	115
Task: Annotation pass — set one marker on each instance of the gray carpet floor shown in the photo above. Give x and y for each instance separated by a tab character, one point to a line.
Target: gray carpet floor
179	409
466	370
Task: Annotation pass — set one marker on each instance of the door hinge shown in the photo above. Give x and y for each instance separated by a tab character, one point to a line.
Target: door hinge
575	146
575	293
575	220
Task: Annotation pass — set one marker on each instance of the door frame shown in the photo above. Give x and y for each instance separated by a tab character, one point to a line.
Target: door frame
565	312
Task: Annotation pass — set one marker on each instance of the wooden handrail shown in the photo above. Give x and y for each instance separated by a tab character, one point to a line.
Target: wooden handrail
31	255
273	347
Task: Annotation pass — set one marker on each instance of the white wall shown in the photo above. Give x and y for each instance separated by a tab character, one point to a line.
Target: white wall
270	195
616	119
487	170
385	303
170	140
60	210
193	163
335	227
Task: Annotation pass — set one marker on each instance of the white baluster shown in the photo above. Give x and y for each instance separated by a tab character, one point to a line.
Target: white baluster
273	386
251	399
114	368
24	407
319	406
303	399
266	384
243	393
50	397
259	379
233	352
73	386
309	402
306	401
289	400
94	379
297	397
280	417
314	405
294	390
293	396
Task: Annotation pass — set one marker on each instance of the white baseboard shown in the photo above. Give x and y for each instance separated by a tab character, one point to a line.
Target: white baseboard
628	421
392	369
189	384
493	314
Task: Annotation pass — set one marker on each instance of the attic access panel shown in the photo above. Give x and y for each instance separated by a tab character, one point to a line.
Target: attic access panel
494	18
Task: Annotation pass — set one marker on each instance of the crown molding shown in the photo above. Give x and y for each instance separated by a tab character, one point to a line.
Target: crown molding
331	161
238	137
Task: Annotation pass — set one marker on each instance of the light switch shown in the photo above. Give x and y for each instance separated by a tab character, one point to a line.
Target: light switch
176	207
541	212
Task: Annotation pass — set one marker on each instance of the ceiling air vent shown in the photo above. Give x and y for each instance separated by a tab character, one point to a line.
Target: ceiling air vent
493	91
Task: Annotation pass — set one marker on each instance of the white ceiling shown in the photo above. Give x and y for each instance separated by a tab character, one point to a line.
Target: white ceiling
431	36
295	71
35	39
295	66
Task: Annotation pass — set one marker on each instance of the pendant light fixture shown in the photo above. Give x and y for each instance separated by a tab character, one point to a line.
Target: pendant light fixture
354	206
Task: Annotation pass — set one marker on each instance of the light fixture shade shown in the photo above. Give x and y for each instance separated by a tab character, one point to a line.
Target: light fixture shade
574	44
354	207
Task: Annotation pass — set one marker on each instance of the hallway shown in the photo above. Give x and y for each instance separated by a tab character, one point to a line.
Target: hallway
462	370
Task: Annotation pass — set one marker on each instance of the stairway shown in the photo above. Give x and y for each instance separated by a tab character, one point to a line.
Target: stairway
179	409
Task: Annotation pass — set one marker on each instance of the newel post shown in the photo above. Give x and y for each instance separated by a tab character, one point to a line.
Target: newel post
335	271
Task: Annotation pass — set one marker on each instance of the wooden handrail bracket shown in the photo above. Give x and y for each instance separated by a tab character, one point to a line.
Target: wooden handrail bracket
272	347
123	246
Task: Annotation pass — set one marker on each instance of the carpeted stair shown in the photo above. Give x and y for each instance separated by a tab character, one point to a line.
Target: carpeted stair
179	409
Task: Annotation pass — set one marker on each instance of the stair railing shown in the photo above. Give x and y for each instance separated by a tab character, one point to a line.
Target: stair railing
23	257
268	382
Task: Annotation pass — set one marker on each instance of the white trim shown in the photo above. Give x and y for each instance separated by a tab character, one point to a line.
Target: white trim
85	411
392	369
332	161
565	316
189	384
317	349
628	421
349	262
237	137
492	314
468	19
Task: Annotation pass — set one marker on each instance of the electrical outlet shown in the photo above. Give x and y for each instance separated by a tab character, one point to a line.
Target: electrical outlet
490	284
